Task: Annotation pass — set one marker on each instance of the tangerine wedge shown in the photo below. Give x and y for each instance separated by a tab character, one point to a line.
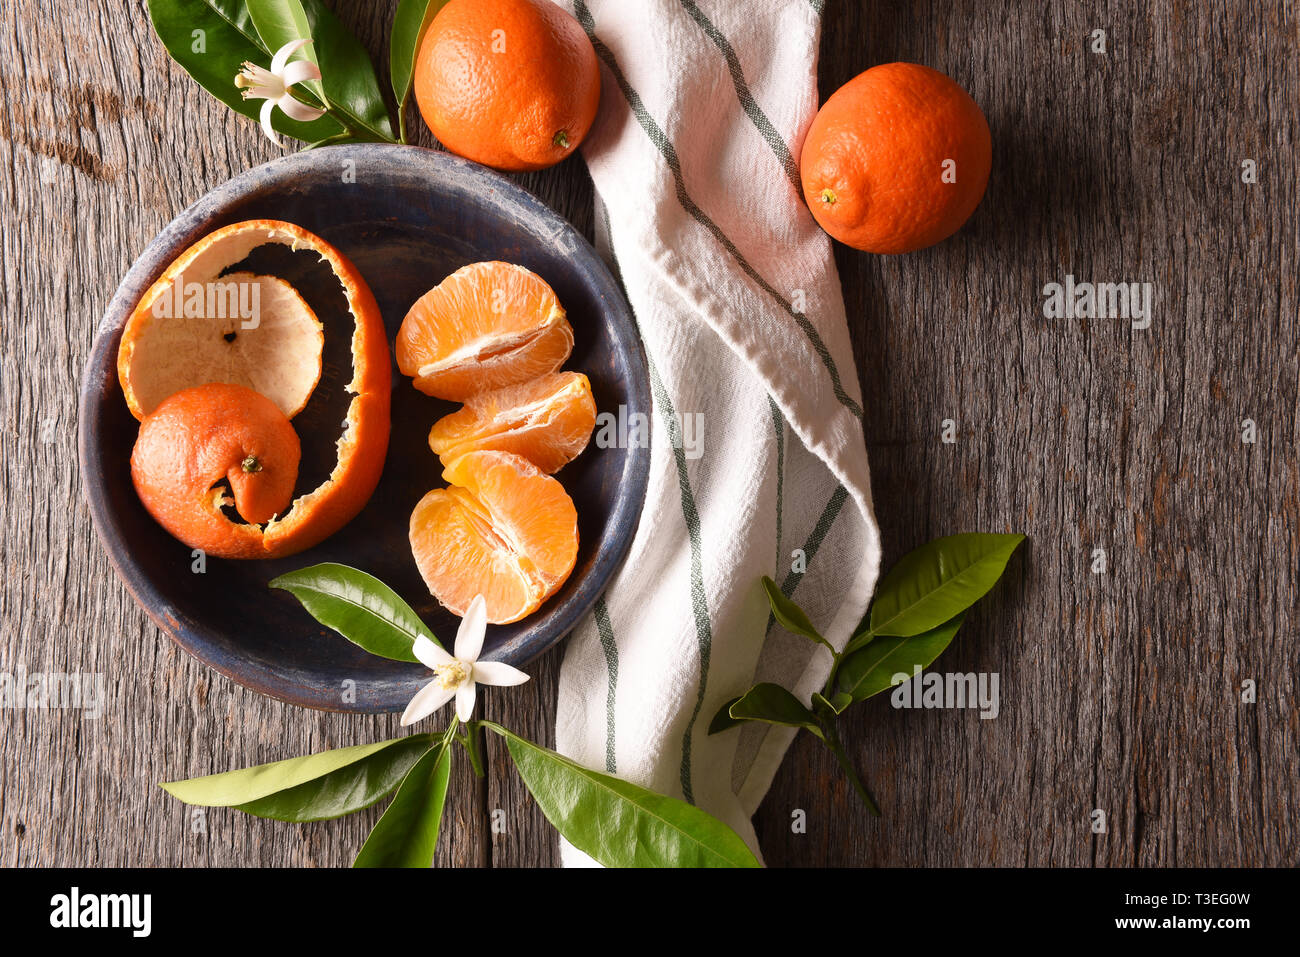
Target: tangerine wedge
486	326
548	421
504	529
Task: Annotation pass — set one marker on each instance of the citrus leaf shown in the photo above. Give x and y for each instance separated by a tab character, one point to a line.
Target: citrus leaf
350	788
870	671
409	25
351	87
407	834
836	703
618	823
348	73
862	638
233	788
936	581
790	615
723	721
359	607
772	704
210	40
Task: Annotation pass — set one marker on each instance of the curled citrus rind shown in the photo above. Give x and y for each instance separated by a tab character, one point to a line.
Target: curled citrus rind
362	444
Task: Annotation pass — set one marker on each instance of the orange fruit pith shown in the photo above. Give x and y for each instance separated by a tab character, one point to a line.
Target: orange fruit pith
504	529
512	84
548	421
200	436
271	528
486	326
896	160
276	351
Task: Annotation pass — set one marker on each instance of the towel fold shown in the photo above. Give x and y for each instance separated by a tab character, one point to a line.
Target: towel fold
758	465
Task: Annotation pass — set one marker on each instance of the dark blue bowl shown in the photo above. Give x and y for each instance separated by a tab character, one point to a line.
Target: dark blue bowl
412	217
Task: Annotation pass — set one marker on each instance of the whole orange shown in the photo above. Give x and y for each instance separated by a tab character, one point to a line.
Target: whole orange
512	84
896	160
204	435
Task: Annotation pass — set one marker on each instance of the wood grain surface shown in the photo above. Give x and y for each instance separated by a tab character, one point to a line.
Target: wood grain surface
1120	691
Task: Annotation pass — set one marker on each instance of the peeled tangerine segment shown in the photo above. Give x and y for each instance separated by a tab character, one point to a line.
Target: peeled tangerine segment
242	329
486	326
504	530
548	421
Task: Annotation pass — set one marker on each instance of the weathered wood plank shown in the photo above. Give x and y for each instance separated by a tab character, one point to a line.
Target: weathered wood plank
1119	691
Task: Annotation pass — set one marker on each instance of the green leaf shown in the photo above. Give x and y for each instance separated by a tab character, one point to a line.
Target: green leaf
835	704
618	823
870	671
359	607
773	704
351	87
409	25
936	581
859	640
349	789
234	788
348	73
211	39
723	721
407	834
790	615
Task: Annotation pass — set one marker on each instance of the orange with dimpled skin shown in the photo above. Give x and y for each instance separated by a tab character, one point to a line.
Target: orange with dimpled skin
896	160
512	84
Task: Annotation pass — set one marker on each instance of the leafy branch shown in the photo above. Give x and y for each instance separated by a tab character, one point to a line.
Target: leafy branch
918	608
654	830
212	39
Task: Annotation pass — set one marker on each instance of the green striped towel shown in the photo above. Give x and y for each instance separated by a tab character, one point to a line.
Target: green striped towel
758	465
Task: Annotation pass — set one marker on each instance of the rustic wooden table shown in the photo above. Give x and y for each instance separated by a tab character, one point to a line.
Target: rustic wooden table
1121	691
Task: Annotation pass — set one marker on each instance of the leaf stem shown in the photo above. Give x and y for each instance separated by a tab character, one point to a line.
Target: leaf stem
471	740
829	688
832	740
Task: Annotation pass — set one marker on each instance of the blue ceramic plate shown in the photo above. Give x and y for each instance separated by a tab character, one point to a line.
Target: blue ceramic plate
412	217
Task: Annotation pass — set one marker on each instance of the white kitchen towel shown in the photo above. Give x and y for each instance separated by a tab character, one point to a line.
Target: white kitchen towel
758	465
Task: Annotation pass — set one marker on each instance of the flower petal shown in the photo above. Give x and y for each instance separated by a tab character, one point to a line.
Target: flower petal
282	55
469	637
300	70
465	701
297	110
267	128
498	673
426	701
430	655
